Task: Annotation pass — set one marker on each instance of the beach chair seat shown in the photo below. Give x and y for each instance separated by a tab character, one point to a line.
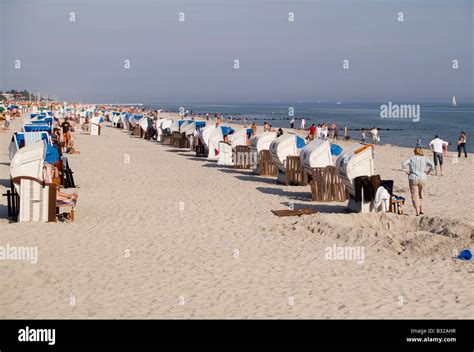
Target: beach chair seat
396	202
225	154
267	166
201	151
242	157
175	140
294	172
37	200
326	185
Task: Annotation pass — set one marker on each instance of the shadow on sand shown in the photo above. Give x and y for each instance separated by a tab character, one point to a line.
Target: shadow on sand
304	195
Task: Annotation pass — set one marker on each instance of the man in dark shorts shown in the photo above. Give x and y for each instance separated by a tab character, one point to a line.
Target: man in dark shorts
438	146
66	126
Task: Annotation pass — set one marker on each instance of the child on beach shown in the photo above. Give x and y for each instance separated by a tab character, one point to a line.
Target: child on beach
418	168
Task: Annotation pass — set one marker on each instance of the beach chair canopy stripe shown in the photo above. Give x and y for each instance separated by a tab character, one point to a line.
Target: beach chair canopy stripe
30	137
335	150
200	124
52	154
300	143
226	130
33	127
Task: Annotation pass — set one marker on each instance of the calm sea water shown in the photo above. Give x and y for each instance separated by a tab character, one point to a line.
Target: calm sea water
442	119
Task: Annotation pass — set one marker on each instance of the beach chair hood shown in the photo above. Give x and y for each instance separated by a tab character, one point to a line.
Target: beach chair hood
316	154
28	161
284	146
262	141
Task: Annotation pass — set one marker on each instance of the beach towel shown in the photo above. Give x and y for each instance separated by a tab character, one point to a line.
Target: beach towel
376	182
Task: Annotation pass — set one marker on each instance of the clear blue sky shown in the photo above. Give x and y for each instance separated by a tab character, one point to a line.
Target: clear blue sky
192	61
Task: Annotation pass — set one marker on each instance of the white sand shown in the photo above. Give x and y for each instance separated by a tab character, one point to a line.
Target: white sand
182	220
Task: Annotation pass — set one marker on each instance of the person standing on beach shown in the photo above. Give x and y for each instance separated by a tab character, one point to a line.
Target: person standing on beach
346	133
266	128
462	144
334	135
418	168
7	121
363	135
437	146
312	132
292	123
375	135
303	123
324	130
2	123
318	131
331	129
254	128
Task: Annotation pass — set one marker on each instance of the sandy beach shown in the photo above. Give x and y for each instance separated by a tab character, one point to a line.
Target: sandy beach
160	233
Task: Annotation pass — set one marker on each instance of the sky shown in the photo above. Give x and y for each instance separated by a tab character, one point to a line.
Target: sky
279	61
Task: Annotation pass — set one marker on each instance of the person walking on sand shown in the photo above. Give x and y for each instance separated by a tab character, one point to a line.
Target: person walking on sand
437	146
7	121
375	135
303	123
462	144
418	168
292	123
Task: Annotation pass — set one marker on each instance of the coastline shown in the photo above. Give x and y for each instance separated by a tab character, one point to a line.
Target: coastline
182	219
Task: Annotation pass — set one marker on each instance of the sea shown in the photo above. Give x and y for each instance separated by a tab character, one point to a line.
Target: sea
444	120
